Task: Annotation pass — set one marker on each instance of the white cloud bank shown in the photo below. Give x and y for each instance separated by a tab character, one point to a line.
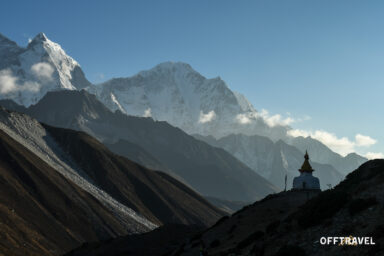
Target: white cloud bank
243	118
373	155
43	71
9	83
364	141
206	118
276	119
270	120
342	145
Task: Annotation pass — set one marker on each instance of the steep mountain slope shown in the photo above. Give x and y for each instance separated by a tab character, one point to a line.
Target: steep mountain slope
41	211
176	93
112	179
9	51
354	207
33	136
322	154
210	171
137	154
60	188
156	196
272	160
26	74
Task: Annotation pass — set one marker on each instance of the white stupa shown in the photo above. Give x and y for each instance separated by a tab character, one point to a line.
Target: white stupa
306	180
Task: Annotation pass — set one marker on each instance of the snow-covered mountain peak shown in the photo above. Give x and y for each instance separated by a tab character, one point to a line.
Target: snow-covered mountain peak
174	65
40	37
176	93
42	44
27	74
171	69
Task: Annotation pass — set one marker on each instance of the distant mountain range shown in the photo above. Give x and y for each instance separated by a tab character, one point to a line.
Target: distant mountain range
172	91
322	154
273	160
209	170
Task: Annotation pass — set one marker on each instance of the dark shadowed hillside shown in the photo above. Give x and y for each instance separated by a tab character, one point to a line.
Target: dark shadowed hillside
151	194
282	225
60	188
159	242
136	153
43	213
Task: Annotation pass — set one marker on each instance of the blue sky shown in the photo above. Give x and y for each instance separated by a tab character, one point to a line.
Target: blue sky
317	62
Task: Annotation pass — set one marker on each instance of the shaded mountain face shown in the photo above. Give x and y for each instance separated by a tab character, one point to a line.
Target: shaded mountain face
33	136
41	211
156	196
137	154
292	223
60	188
208	170
322	154
26	74
273	160
174	92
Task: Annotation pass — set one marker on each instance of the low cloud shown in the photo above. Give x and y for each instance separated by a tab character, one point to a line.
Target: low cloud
274	120
43	71
243	118
270	120
364	141
148	113
342	145
206	118
373	155
9	83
